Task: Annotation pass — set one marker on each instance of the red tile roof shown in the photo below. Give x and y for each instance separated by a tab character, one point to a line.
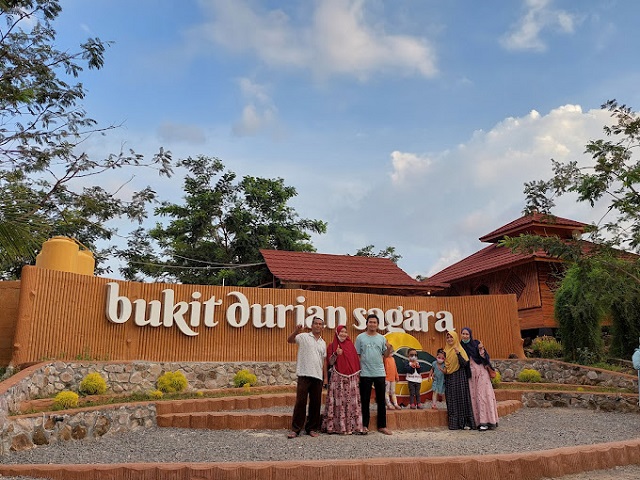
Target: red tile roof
527	222
489	258
324	269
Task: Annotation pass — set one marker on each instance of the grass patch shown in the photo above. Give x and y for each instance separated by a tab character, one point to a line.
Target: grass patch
609	366
561	388
137	397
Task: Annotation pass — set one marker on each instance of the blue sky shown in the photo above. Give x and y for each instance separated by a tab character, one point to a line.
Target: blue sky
410	123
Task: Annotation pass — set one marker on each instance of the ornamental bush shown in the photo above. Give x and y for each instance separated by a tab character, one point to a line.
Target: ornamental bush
65	399
172	382
546	347
93	384
245	377
529	375
156	394
495	381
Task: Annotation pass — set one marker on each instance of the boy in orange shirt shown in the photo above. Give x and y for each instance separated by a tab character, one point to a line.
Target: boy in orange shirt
390	380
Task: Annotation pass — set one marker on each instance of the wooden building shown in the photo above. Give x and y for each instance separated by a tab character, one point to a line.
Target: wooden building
344	273
531	277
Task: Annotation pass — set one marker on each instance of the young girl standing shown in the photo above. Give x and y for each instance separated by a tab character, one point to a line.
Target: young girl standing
438	369
414	379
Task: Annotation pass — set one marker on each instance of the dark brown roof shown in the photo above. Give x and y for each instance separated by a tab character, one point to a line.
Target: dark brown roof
528	223
323	269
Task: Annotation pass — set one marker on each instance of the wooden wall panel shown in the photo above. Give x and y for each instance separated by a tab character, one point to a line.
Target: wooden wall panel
530	296
547	279
531	318
62	315
527	274
9	298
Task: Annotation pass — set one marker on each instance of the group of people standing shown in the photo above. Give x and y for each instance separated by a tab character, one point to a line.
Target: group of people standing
471	402
357	367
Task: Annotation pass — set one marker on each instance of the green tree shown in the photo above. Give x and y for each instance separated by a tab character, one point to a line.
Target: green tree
389	252
45	176
579	310
216	234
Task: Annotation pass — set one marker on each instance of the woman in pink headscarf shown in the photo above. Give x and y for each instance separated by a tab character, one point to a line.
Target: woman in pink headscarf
343	411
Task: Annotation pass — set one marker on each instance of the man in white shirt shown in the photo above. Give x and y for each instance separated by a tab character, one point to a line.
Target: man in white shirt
312	373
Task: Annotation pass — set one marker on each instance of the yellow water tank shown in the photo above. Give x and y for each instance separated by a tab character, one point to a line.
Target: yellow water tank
58	253
86	264
64	254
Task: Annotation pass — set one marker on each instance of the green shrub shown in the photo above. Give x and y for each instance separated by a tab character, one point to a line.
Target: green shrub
245	377
172	382
585	356
495	381
93	384
65	399
156	394
546	347
529	375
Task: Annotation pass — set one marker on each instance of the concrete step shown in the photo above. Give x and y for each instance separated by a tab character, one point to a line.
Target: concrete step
221	415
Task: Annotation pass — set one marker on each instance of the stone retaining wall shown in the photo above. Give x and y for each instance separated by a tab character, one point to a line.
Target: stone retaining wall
555	371
45	380
607	402
27	431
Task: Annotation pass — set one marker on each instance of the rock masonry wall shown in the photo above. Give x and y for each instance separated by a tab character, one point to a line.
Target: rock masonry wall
46	380
18	432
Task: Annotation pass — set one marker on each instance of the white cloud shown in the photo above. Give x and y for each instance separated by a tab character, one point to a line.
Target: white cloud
407	162
338	40
525	34
434	208
447	257
259	114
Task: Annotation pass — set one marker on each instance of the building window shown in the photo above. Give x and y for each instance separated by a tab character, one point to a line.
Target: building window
481	290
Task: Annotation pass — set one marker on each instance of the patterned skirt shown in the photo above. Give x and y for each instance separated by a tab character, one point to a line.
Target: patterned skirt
459	410
343	410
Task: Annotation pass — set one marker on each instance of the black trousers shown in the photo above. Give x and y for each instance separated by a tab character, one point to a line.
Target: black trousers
365	396
308	388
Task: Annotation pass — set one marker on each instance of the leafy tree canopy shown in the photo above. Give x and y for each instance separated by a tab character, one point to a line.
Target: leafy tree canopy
215	235
389	252
46	179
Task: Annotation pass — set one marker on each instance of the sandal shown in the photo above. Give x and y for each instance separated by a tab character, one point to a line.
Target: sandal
385	431
292	434
313	434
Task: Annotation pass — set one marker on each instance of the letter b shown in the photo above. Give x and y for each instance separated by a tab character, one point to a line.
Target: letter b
118	308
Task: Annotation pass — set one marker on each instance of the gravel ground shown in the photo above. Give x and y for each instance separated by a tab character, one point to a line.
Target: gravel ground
526	430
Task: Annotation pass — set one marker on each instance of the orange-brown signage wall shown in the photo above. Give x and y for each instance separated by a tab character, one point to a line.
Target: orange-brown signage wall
63	315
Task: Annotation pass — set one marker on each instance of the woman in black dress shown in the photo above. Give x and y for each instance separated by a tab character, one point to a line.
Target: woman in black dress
456	385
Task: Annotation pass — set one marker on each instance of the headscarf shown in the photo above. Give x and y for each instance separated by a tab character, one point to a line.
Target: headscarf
471	347
348	363
451	361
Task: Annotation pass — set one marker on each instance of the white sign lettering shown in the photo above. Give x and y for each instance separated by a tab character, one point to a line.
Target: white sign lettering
189	316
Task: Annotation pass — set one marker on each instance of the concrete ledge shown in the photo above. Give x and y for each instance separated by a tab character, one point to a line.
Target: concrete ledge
524	466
